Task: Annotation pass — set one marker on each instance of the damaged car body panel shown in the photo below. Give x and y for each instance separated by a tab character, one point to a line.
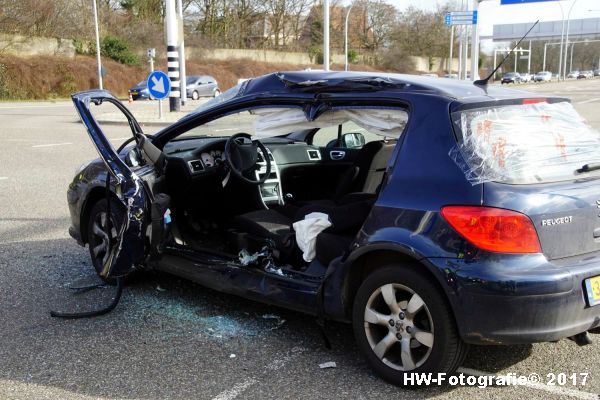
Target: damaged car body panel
127	249
386	158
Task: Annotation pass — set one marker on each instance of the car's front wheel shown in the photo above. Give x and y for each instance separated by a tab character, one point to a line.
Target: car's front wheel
100	234
404	325
216	93
195	95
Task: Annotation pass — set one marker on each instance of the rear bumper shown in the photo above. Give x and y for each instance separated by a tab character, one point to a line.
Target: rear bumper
512	299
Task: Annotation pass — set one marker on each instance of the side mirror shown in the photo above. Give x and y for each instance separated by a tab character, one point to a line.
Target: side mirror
353	140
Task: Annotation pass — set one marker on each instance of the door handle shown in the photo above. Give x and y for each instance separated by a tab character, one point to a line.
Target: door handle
337	154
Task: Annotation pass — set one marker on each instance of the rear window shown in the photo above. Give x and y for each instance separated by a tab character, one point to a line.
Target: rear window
524	144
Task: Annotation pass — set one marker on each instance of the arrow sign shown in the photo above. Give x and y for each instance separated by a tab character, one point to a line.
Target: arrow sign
159	85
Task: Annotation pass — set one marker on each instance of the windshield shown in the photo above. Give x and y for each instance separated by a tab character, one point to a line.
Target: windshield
191	79
527	143
141	83
226	95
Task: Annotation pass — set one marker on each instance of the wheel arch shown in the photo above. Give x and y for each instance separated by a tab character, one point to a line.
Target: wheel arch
381	255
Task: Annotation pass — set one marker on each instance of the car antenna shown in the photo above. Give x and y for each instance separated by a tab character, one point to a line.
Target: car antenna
484	82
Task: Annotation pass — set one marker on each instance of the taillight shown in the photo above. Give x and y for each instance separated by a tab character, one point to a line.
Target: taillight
494	229
533	101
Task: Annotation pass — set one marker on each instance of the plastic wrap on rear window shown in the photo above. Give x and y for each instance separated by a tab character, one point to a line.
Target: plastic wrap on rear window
526	143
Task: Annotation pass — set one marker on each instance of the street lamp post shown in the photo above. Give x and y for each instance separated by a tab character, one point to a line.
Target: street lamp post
98	59
567	39
562	38
326	35
346	38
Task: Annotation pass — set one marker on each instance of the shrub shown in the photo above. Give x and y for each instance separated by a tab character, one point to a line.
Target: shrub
352	56
118	50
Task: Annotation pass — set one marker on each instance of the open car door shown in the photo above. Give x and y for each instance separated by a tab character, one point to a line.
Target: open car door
126	238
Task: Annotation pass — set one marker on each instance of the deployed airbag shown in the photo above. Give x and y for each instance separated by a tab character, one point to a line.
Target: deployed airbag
307	231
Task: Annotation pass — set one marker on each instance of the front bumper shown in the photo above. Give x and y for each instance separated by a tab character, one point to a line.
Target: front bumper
513	299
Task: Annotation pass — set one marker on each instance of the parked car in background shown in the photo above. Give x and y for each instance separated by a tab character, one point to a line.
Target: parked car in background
431	75
573	75
511	77
526	77
543	76
140	91
451	76
585	75
597	72
201	86
445	225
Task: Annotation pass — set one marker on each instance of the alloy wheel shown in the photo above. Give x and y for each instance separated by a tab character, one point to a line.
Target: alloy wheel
399	327
102	239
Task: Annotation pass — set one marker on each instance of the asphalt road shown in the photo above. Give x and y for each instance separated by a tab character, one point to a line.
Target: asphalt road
173	339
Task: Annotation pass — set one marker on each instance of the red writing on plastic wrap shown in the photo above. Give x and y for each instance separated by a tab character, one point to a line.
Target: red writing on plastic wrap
559	142
546	118
484	128
499	152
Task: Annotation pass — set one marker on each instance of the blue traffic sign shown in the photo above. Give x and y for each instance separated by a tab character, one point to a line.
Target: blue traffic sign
460	18
159	85
506	2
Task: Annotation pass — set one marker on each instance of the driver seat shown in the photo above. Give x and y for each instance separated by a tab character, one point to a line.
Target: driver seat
268	224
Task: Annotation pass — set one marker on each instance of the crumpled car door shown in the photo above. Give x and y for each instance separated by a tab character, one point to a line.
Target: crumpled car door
127	249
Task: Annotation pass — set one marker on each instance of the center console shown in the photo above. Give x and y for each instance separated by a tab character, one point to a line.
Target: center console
270	191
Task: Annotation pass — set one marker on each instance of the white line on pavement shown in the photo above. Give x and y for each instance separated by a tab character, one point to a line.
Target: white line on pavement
51	144
121	138
225	129
558	390
589	100
34	106
3	178
236	390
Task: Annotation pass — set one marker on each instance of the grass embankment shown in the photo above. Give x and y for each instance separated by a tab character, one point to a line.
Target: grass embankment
47	77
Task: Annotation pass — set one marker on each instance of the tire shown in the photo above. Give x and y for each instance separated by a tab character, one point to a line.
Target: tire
428	332
217	93
96	232
195	95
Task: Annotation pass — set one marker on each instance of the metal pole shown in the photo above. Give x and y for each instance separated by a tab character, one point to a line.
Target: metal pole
529	59
451	48
495	56
182	55
460	51
172	56
562	38
567	38
544	62
326	35
98	59
346	39
475	46
516	56
571	62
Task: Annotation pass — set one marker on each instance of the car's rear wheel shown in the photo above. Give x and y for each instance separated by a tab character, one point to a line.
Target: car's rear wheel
403	325
100	237
195	95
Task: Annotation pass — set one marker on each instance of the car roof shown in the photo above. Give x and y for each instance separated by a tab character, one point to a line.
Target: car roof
291	82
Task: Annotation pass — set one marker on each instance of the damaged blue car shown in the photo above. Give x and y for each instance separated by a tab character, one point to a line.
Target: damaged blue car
430	214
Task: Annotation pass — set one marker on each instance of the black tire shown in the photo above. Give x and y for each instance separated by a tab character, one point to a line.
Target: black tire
433	321
195	95
95	239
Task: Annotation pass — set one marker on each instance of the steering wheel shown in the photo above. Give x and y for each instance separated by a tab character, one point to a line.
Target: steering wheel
241	154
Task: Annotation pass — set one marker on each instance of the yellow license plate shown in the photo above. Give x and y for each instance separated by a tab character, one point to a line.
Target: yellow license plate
592	286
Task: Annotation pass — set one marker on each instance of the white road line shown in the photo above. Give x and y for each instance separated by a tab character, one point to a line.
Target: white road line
51	144
236	390
225	129
33	106
121	138
588	101
275	365
558	390
3	178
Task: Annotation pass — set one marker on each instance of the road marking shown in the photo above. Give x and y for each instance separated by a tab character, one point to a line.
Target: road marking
236	390
3	178
588	101
121	138
275	365
51	144
225	129
558	390
33	106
